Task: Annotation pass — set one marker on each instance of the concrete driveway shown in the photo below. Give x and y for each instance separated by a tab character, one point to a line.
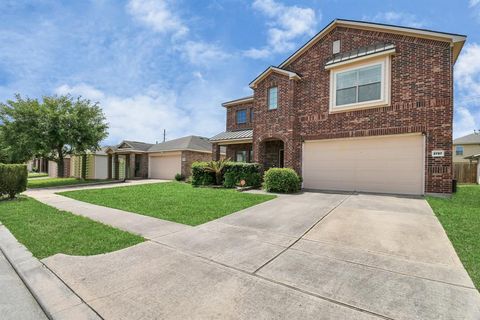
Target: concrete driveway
306	256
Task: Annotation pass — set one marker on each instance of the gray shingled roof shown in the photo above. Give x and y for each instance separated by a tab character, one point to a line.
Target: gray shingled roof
473	138
233	135
360	52
185	143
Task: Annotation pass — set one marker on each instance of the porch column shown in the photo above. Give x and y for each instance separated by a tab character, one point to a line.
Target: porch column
215	152
116	174
131	166
109	166
248	159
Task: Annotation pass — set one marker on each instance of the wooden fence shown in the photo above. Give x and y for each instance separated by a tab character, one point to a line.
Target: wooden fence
465	172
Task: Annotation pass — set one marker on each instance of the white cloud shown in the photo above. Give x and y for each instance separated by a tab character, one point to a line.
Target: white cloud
286	24
157	14
397	18
141	117
202	53
473	3
467	82
257	53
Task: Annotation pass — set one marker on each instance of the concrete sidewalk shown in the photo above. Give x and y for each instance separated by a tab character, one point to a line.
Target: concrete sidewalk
145	226
16	302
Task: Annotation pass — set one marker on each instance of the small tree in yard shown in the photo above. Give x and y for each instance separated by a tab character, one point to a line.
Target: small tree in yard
56	127
216	167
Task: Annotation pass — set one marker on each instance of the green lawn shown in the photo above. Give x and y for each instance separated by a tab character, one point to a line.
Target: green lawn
173	201
460	217
56	182
32	175
46	231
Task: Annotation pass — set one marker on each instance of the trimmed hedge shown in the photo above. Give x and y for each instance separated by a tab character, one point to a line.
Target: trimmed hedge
13	179
284	180
232	174
200	177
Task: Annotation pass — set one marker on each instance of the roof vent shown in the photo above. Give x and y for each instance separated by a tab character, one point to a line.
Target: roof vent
336	46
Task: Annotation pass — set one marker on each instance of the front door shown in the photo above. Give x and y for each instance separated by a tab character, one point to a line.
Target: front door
280	158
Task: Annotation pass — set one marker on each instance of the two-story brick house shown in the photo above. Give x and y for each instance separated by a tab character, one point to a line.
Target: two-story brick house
360	107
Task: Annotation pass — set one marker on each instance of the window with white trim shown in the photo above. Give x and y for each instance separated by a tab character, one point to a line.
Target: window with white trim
360	86
272	98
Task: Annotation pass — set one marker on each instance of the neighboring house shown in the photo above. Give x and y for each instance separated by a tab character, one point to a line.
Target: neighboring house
466	146
360	107
53	168
93	165
160	161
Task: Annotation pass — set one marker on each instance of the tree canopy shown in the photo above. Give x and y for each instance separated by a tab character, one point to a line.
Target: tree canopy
52	128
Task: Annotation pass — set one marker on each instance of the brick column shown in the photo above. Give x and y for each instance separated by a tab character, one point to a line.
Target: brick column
116	174
215	151
109	166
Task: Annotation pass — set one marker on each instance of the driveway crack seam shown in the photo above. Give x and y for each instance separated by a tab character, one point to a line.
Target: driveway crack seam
71	289
346	305
303	234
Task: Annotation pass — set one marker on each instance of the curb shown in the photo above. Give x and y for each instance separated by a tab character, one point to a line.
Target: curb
55	298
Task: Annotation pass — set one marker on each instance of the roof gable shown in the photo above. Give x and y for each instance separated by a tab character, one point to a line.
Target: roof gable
271	69
456	40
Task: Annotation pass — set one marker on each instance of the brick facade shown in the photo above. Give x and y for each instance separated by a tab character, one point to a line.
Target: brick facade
191	157
421	102
232	116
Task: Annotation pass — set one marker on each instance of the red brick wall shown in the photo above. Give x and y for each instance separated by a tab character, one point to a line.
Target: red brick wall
191	157
232	117
233	148
421	101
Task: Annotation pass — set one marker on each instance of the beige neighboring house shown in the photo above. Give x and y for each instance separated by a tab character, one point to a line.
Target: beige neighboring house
93	165
53	168
167	159
465	147
140	160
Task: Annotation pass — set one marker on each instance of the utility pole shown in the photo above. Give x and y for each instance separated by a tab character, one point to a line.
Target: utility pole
164	134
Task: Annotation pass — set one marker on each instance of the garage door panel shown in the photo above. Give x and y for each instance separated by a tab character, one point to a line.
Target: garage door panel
392	164
164	167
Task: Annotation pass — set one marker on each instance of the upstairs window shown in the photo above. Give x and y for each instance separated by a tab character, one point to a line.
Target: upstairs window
272	98
360	86
241	116
459	150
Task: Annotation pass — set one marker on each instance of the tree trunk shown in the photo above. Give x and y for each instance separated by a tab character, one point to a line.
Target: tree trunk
218	178
60	167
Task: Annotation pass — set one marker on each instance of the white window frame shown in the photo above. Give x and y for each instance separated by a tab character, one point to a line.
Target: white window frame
268	98
385	91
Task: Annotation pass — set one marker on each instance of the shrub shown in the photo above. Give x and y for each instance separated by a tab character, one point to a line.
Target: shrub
13	179
179	177
204	173
201	177
283	180
216	167
237	171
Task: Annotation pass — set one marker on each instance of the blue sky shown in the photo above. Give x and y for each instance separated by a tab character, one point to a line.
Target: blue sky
164	64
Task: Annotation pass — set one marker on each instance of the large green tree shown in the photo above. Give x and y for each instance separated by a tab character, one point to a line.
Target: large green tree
52	128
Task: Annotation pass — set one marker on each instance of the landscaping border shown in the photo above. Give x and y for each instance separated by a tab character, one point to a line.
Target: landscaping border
55	298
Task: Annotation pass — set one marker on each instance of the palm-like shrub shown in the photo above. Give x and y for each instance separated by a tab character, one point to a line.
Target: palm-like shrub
216	167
